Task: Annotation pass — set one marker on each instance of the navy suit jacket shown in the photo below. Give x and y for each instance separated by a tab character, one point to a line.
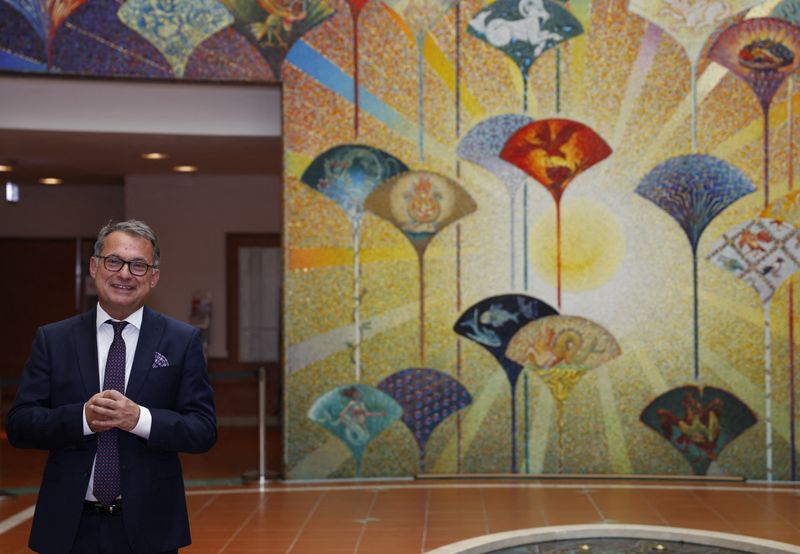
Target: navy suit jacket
61	375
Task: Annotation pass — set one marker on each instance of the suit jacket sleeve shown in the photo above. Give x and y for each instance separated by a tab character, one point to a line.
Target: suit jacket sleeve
189	424
47	410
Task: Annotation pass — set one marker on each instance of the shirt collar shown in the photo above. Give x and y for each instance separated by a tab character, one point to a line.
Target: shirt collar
134	319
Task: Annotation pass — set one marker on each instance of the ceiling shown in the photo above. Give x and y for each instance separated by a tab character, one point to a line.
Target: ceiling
95	158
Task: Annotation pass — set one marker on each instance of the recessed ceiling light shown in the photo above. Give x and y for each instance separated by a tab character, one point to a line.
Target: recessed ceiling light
185	168
51	181
6	167
154	156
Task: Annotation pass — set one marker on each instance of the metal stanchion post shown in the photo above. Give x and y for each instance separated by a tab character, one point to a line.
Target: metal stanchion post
261	474
262	425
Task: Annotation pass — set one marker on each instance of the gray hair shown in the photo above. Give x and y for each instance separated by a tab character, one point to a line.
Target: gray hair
132	227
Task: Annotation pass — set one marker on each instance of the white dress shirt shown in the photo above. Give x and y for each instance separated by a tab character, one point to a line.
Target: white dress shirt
105	335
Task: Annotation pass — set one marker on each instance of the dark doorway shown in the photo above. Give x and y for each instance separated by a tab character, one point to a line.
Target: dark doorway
42	281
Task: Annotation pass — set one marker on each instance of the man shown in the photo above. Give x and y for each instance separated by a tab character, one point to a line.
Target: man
113	480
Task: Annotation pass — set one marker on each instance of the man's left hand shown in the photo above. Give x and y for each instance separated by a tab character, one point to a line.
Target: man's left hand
115	410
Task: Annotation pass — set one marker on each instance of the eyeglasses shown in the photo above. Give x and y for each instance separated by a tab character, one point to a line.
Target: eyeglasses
136	267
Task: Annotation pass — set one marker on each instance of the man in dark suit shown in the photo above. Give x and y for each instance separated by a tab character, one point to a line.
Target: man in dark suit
113	479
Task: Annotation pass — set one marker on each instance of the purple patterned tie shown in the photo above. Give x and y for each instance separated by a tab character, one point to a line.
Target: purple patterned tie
106	468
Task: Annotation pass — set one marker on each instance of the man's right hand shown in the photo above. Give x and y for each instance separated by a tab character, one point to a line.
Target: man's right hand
92	415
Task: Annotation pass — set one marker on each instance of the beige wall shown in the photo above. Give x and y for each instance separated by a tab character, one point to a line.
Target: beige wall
65	211
191	215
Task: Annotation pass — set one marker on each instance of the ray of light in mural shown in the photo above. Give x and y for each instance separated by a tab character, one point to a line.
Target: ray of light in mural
428	397
420	204
491	323
482	146
787	208
347	174
763	253
273	26
762	52
693	190
355	414
698	422
561	350
524	30
554	152
46	16
418	16
175	28
690	24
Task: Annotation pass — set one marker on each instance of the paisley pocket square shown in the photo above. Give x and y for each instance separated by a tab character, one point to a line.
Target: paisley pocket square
160	360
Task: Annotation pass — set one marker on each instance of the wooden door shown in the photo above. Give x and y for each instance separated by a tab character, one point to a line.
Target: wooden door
39	283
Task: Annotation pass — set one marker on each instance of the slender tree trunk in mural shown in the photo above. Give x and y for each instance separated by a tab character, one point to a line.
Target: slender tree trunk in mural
792	438
767	331
357	300
513	426
526	434
458	78
790	185
459	359
355	71
768	388
422	310
560	410
790	122
421	100
695	315
694	105
765	107
524	92
558	80
558	251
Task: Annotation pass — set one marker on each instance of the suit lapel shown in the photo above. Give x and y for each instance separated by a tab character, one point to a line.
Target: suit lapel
149	337
85	333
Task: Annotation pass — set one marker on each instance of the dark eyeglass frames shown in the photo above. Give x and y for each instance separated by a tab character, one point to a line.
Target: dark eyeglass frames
136	267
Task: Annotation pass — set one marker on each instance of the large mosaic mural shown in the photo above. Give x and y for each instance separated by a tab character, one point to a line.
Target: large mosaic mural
487	210
487	214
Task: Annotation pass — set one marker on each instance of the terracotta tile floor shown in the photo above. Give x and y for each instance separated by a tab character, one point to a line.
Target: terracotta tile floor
401	517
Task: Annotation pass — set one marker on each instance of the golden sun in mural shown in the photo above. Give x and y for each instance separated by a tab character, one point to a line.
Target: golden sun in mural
593	243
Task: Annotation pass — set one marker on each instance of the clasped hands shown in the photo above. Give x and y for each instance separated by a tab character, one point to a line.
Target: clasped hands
110	408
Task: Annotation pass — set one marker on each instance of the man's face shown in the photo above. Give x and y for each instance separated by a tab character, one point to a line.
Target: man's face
120	293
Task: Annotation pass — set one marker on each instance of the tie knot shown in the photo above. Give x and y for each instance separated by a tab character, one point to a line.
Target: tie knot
118	326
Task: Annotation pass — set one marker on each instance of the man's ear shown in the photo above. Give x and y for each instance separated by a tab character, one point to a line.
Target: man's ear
155	275
93	267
